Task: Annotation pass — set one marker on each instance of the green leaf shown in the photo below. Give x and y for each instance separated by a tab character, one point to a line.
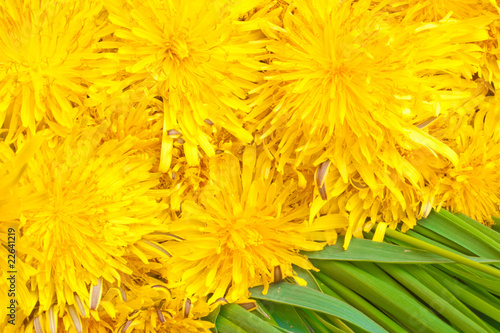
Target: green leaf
226	326
457	230
287	317
306	298
377	272
440	288
368	250
360	303
318	324
433	300
496	226
264	314
397	304
246	320
212	317
473	277
308	277
442	252
466	294
438	240
490	232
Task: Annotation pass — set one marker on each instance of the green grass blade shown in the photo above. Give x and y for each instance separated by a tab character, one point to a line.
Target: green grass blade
439	251
474	277
246	320
379	273
466	294
308	277
212	317
327	290
421	274
367	250
360	303
433	300
263	313
340	324
496	226
303	297
286	316
226	326
428	240
489	232
455	229
341	327
316	325
404	308
438	239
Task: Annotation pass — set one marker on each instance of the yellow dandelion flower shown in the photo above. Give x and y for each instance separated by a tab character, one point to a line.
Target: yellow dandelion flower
98	206
490	71
246	229
472	187
345	87
432	11
198	60
343	79
132	113
165	314
12	200
184	182
73	319
47	62
145	304
394	196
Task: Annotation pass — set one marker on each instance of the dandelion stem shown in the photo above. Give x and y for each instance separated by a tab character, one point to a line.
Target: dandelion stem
442	252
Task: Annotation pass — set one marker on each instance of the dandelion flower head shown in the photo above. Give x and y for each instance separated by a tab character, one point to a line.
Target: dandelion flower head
96	206
245	230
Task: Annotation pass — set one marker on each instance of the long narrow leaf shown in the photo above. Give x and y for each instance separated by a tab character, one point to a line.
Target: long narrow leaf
401	306
457	230
226	326
308	277
212	317
489	232
317	326
438	238
287	317
306	298
440	288
466	294
246	320
457	318
367	250
361	304
474	277
324	323
458	258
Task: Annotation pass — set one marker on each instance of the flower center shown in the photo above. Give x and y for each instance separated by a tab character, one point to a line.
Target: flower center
179	49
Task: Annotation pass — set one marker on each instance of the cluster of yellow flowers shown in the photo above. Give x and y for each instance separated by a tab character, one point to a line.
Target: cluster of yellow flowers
160	157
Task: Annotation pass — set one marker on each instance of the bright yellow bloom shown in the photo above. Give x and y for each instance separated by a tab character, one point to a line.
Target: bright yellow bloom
97	209
349	87
144	305
135	112
341	77
198	61
245	230
490	71
12	200
435	10
473	186
153	308
47	62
